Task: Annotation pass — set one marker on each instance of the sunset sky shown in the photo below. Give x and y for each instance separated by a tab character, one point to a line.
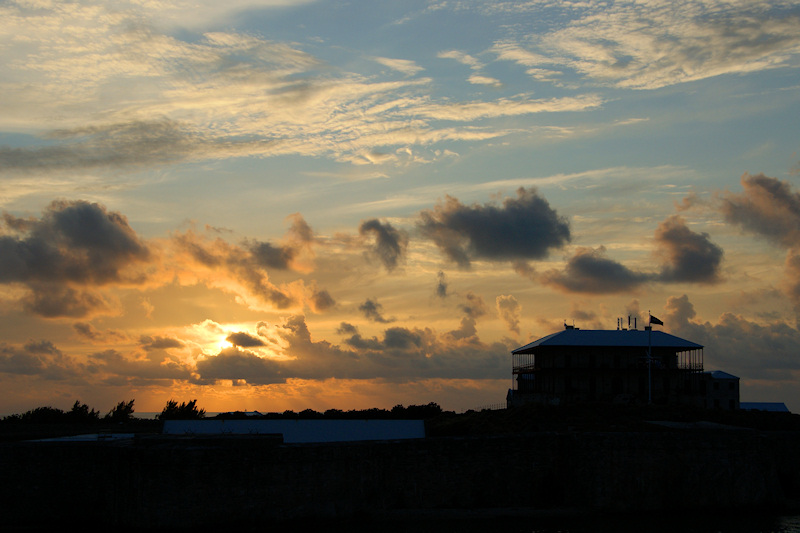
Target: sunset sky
293	204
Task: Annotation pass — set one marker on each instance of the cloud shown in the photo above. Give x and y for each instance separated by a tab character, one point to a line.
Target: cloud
244	340
770	208
390	243
441	285
648	46
374	311
479	79
590	271
473	307
321	301
286	256
159	343
791	283
121	145
74	241
236	264
461	57
407	67
271	256
737	345
146	97
767	206
690	256
38	358
504	107
64	256
509	310
525	227
237	364
686	257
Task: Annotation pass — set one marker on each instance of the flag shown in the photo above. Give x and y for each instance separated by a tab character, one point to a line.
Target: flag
654	320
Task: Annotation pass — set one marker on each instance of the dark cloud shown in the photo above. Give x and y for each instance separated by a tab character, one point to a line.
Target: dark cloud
791	282
117	368
88	332
51	300
473	307
38	358
390	243
399	354
686	256
522	228
322	301
690	256
239	263
589	271
299	231
235	364
466	330
271	256
159	343
441	285
767	206
736	345
346	329
76	241
374	311
281	257
125	144
244	340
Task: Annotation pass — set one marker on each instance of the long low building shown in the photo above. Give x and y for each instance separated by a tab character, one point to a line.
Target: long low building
297	431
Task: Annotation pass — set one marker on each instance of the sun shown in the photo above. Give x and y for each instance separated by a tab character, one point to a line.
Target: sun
224	344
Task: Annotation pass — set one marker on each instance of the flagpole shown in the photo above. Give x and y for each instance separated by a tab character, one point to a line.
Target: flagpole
649	361
651	321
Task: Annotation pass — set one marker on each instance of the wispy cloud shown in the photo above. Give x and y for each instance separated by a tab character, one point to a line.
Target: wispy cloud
654	44
406	66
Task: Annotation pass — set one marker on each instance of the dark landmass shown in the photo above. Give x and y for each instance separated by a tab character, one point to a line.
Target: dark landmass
440	423
537	461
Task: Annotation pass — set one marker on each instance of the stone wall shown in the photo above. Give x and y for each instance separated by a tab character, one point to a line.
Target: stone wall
167	482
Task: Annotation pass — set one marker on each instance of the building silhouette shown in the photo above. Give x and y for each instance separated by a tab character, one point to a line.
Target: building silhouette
617	366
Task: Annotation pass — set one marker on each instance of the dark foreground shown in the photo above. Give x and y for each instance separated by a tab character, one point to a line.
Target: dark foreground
554	470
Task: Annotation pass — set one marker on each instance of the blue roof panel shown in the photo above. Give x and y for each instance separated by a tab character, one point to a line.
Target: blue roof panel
618	338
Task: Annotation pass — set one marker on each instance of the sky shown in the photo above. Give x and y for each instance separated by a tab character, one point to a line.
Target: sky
299	204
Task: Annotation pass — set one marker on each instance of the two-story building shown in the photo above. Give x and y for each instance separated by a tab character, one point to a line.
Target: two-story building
623	365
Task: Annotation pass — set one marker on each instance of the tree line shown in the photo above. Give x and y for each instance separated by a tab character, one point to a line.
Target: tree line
81	413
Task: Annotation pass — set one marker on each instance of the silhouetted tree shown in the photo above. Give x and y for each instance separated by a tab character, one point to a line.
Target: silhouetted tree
43	415
122	412
417	411
184	411
81	413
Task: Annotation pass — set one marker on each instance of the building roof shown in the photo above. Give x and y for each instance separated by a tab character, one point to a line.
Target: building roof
719	374
777	407
619	338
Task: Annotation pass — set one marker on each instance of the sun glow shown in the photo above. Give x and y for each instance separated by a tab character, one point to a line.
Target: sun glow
223	345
